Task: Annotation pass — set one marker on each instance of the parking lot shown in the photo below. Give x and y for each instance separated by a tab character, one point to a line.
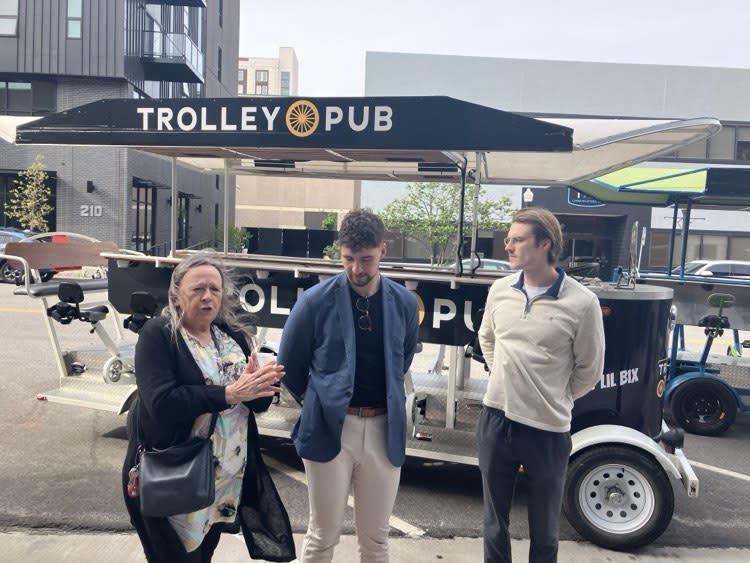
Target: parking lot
60	466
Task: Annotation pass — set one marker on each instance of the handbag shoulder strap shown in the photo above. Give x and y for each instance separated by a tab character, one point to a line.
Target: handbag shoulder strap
214	417
139	429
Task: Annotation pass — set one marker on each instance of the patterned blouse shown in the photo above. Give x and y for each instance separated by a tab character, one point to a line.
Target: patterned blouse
220	366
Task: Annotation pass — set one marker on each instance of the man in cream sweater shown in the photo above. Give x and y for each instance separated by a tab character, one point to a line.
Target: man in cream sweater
542	337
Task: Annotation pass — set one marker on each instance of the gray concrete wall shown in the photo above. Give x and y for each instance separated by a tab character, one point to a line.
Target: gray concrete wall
226	36
586	88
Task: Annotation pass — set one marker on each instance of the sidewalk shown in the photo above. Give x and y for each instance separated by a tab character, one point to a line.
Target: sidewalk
21	547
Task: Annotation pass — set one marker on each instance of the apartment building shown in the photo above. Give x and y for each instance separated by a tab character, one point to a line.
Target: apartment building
59	54
295	203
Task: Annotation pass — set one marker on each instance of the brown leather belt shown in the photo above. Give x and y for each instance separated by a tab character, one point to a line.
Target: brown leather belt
366	412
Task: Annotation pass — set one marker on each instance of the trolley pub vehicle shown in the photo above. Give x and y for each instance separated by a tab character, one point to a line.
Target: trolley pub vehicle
626	463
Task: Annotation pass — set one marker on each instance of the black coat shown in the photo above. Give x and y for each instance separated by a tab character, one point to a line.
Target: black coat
171	395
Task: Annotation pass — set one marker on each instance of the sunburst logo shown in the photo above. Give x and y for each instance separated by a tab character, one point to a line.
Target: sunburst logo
660	388
302	118
420	307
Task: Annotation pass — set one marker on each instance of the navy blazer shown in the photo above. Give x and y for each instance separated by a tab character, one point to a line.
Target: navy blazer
318	349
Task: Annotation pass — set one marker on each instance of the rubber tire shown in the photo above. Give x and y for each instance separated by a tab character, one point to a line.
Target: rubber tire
657	485
710	392
8	274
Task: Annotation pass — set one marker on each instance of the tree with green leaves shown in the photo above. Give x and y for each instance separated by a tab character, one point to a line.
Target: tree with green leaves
28	202
429	215
238	238
330	221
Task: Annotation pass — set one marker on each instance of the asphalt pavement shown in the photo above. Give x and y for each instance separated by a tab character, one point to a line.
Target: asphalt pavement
17	547
61	501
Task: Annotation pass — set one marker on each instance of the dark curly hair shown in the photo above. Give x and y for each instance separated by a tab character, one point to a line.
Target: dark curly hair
361	228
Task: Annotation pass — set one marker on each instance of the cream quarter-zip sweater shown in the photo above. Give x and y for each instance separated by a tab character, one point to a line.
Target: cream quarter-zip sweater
543	353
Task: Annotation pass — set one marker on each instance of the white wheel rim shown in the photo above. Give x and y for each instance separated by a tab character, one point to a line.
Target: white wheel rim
616	498
113	370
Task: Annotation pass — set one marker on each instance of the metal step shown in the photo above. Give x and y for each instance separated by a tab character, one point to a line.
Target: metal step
89	392
735	371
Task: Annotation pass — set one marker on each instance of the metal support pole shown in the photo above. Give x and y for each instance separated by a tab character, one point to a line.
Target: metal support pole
672	237
173	212
685	230
475	210
226	206
456	356
460	236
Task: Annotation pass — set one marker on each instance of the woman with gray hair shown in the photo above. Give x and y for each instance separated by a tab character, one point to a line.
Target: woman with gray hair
195	360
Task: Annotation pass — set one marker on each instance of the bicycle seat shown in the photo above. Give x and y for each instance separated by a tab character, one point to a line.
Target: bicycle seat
714	321
94	314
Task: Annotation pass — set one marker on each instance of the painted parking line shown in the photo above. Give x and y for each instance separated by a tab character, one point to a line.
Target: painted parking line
394	521
720	470
34	310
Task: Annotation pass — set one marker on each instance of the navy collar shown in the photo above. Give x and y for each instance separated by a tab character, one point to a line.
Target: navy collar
554	289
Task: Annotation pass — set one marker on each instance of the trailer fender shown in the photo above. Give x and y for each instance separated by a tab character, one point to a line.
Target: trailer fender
127	402
679	380
610	434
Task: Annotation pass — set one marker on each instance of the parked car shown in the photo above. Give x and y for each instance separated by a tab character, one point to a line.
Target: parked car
485	264
13	273
722	268
8	273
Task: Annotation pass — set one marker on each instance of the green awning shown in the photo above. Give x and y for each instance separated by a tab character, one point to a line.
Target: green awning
646	186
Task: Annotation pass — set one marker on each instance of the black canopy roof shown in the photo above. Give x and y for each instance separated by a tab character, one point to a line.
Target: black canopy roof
396	138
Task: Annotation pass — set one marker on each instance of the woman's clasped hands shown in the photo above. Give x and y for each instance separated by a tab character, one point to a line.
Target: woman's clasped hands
255	382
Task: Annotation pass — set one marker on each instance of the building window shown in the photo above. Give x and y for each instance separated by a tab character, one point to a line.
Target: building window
261	82
8	17
241	81
739	248
75	15
743	150
699	247
284	90
218	71
28	98
221	13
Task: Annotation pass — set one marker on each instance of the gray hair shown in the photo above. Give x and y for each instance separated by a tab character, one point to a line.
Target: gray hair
230	313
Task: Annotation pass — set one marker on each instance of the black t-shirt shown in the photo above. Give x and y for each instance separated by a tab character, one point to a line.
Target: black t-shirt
369	378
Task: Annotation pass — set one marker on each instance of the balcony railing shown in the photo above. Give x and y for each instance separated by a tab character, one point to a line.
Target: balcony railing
193	3
165	56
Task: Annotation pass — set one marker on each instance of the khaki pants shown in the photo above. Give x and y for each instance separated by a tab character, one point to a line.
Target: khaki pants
361	466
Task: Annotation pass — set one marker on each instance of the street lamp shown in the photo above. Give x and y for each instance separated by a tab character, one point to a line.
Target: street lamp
527	197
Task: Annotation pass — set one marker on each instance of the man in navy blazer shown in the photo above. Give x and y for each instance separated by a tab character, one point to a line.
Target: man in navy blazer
346	346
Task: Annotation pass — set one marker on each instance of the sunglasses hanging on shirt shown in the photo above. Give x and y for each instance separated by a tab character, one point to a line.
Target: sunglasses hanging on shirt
364	322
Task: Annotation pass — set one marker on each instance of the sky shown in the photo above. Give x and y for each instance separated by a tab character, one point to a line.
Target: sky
331	37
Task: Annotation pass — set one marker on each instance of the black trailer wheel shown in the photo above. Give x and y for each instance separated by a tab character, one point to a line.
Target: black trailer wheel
8	273
704	406
617	497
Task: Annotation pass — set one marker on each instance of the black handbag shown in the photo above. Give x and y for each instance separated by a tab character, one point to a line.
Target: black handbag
179	479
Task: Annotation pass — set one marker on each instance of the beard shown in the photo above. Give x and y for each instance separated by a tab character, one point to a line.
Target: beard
360	281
